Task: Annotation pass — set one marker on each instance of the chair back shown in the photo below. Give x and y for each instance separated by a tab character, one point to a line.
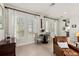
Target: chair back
60	39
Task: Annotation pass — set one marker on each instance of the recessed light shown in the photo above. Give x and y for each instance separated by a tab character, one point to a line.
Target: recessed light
65	12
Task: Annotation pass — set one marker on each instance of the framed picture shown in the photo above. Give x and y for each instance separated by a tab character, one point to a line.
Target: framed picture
74	26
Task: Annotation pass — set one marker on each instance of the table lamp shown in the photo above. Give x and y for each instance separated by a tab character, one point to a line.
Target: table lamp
77	34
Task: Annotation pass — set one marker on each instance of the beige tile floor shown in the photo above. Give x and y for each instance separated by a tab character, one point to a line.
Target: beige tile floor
35	50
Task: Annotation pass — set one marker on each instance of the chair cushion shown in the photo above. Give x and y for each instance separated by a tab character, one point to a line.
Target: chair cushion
63	44
70	52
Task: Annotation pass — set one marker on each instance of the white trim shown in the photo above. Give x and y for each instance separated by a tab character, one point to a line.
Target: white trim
17	45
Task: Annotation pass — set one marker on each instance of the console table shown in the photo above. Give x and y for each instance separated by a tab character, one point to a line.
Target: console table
7	49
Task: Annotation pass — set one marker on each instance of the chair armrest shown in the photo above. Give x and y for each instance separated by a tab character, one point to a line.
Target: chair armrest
58	51
73	47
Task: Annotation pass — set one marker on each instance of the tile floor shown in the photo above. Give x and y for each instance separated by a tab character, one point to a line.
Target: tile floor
35	50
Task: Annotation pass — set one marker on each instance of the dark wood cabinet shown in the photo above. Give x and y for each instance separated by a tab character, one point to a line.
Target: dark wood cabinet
7	49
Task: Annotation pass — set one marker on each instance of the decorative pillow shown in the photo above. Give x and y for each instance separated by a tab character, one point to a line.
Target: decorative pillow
63	44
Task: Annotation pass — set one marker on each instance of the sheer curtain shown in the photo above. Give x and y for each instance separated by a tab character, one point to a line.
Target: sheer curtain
17	26
22	26
10	23
51	26
36	24
1	22
25	26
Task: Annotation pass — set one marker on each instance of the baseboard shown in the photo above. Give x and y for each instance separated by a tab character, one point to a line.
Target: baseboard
17	45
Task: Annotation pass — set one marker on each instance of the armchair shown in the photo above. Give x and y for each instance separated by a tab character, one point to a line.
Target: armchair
63	51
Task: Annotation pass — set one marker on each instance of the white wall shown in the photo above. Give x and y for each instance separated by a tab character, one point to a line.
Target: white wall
60	26
73	20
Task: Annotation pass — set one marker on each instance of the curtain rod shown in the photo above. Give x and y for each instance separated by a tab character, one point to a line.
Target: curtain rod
29	12
50	18
21	11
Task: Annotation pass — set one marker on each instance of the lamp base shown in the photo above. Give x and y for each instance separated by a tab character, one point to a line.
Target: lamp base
78	38
67	34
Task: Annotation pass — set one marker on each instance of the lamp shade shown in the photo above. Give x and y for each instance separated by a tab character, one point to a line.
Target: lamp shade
77	34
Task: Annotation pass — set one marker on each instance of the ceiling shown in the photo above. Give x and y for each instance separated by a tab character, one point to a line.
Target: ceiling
57	10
